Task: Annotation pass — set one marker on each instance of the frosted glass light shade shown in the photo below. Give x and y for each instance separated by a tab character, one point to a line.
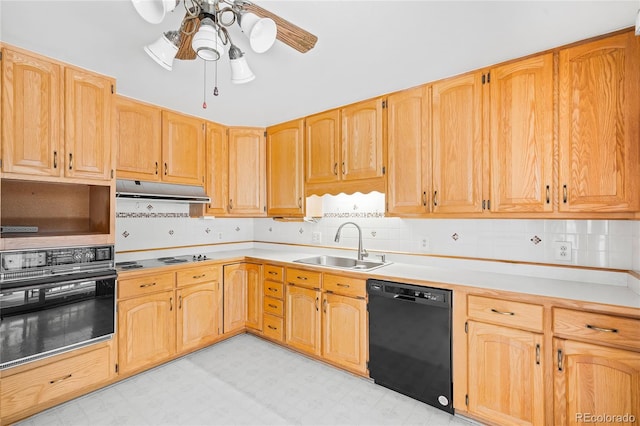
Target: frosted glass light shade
206	42
164	49
240	71
153	11
261	32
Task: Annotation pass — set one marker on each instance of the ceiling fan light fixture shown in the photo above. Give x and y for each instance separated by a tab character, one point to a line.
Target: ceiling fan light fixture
206	42
153	11
240	71
164	49
261	32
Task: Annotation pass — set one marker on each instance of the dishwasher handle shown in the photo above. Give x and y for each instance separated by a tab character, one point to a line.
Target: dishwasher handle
403	297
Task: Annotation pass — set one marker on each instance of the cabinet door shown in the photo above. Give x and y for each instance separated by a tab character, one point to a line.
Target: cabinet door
457	144
285	169
88	132
235	297
344	331
521	135
505	374
408	144
146	330
247	172
322	140
217	167
199	316
254	296
303	319
32	113
591	380
599	125
182	149
362	134
137	136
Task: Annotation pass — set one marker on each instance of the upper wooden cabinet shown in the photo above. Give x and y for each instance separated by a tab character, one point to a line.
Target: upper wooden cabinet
599	122
247	171
409	148
137	136
322	143
182	149
457	144
285	171
217	168
362	140
521	135
39	95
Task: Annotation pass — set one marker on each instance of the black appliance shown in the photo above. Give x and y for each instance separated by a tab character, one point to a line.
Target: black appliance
54	300
410	341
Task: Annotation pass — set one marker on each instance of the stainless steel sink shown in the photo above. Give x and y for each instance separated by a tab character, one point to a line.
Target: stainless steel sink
342	263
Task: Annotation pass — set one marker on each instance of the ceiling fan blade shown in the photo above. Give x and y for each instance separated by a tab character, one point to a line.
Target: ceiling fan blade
288	33
188	28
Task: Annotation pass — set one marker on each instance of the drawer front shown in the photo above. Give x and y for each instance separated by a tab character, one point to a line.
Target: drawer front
144	285
352	287
506	312
597	327
273	306
303	278
272	289
273	328
201	274
32	387
273	273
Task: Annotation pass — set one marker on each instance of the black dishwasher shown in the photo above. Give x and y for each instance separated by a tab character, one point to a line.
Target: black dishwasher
410	341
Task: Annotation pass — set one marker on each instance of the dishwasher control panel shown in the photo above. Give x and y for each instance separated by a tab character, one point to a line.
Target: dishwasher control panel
408	291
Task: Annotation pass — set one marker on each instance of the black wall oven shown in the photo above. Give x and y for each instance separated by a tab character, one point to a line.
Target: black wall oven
55	300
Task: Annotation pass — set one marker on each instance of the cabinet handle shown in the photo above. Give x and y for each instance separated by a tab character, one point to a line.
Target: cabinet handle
272	327
272	306
195	277
299	202
230	204
324	305
70	161
316	303
273	273
484	204
495	311
273	289
171	303
165	169
342	285
564	194
302	278
559	359
605	330
156	167
335	169
61	379
343	169
435	198
55	159
147	285
180	302
424	198
548	195
538	354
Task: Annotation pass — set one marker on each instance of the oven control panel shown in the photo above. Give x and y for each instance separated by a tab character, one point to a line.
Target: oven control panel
69	258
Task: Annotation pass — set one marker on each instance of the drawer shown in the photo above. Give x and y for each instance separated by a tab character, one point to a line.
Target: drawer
145	285
597	327
273	273
43	384
201	274
506	312
303	278
353	287
273	306
272	289
273	328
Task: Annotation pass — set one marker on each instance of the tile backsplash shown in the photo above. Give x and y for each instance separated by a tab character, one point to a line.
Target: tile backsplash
611	244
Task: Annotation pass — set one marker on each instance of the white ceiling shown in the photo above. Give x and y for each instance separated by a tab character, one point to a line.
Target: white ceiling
365	48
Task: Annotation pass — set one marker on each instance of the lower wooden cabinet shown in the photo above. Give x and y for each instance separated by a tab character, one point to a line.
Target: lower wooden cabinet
53	383
254	296
242	297
592	380
302	315
344	331
199	319
505	374
146	330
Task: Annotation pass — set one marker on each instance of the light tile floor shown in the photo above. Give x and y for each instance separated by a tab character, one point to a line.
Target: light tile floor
244	381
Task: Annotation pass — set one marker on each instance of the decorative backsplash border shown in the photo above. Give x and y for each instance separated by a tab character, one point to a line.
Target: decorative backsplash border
133	215
361	215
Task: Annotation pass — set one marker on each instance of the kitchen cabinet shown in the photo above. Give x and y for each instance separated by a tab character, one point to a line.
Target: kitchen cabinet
182	149
285	169
322	147
505	361
42	97
247	172
235	298
599	85
457	146
273	287
254	295
302	318
217	169
138	139
521	135
409	148
362	140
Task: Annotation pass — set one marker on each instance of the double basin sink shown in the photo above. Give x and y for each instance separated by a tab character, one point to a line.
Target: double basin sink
345	263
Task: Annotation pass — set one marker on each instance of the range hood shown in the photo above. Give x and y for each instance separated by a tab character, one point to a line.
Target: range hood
161	191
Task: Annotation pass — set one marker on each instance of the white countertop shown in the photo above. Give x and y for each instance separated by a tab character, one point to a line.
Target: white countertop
611	294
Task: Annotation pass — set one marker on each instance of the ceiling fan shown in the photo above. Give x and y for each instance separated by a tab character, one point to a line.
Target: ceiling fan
204	33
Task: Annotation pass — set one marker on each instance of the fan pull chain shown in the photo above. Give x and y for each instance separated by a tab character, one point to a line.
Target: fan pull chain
215	88
204	87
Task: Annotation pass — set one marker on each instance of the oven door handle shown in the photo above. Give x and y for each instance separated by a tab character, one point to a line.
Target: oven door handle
53	281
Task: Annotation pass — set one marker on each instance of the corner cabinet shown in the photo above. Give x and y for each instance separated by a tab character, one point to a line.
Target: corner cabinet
285	169
182	149
217	168
243	297
599	125
247	159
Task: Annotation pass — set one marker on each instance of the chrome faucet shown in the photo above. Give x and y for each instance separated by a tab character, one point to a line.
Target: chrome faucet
362	253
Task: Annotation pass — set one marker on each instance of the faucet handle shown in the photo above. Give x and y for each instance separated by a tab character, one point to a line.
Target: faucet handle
382	257
364	253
